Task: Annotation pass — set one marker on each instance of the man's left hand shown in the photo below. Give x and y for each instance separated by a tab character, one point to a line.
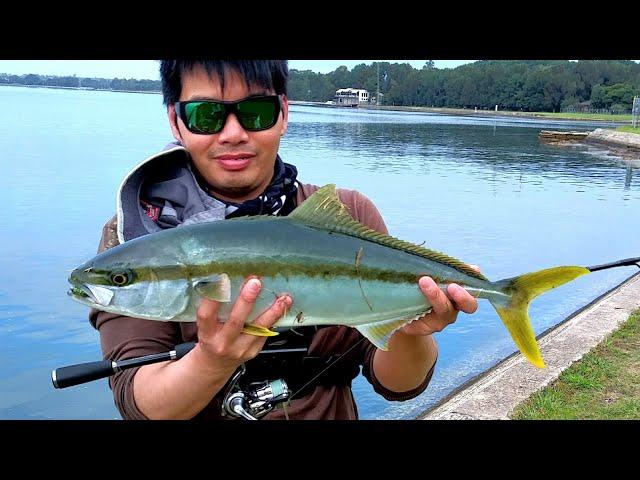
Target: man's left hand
445	307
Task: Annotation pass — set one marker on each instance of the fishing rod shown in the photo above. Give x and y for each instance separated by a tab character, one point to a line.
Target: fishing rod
627	262
251	403
87	372
258	400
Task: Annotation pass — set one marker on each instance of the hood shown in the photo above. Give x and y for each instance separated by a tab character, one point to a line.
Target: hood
165	179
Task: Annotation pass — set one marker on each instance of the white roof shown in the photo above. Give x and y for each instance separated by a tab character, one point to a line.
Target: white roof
340	90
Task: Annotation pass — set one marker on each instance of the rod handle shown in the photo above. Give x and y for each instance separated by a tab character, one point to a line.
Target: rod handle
183	348
64	377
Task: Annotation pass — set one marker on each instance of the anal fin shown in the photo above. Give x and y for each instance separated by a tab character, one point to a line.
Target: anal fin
379	333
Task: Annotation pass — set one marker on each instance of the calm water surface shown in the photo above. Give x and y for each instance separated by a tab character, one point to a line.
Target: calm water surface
484	190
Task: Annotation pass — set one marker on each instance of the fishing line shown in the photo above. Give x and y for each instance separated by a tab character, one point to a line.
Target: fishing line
327	367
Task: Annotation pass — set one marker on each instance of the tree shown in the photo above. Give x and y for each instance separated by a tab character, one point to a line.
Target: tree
32	79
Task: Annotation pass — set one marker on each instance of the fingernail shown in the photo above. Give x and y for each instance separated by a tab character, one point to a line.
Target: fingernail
428	284
254	285
286	300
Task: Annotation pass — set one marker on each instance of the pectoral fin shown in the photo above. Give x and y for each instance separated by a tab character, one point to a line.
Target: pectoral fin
258	331
214	287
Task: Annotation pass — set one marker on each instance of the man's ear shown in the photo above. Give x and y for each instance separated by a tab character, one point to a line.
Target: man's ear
173	123
285	115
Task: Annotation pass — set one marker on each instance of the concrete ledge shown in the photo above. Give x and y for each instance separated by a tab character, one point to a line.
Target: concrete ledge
494	394
613	137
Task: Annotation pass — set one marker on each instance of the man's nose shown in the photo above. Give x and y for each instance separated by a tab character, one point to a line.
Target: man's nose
233	132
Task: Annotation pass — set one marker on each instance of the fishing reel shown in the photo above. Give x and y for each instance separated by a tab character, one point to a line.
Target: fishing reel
255	400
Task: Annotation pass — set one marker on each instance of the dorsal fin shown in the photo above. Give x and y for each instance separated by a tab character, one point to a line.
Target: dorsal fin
324	210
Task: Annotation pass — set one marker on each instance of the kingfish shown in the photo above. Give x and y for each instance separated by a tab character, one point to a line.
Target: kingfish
338	272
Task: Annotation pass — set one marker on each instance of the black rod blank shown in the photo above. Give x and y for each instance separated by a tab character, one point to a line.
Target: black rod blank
628	262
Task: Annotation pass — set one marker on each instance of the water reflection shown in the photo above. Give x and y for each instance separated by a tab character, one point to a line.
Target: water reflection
482	189
395	148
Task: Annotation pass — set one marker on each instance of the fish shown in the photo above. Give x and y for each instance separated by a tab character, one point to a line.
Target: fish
337	270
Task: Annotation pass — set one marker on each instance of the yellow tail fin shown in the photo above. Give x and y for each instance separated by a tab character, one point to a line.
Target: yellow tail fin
522	290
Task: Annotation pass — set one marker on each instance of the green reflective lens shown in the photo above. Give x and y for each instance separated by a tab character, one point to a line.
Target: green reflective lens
208	117
205	117
257	114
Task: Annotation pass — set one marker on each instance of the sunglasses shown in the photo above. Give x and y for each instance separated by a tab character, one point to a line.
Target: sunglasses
206	117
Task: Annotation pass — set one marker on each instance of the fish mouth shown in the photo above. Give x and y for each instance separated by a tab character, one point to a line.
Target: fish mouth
90	294
81	292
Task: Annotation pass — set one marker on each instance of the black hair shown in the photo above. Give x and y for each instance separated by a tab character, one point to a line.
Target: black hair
268	74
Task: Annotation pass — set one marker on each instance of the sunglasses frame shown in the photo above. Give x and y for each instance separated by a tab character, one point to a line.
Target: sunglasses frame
229	107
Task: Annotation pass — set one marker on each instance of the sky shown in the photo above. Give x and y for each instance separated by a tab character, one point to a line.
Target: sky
148	69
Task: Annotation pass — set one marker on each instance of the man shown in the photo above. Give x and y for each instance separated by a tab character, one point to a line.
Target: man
225	166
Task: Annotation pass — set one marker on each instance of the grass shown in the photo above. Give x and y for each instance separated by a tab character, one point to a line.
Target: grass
604	384
586	116
628	128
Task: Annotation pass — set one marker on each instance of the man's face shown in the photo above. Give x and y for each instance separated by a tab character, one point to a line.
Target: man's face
236	163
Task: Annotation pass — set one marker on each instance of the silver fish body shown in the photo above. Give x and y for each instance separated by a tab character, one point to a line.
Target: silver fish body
337	271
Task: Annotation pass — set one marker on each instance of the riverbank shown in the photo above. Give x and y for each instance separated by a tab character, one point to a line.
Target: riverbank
87	89
495	393
613	119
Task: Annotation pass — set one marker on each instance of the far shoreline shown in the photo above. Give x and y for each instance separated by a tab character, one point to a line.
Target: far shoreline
394	108
461	112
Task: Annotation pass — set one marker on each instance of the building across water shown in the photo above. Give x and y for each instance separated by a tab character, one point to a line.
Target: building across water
351	97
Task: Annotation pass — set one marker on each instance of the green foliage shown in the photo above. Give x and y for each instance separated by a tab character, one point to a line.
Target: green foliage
80	82
530	86
515	85
615	97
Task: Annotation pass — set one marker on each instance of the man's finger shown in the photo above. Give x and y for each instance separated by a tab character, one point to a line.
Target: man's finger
475	267
436	297
207	317
275	312
243	306
462	299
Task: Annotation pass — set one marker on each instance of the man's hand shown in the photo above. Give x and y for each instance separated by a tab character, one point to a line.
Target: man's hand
224	344
181	389
445	307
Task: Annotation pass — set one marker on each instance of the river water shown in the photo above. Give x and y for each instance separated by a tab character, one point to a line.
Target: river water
484	190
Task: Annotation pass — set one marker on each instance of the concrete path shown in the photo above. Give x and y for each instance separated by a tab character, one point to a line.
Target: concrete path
494	394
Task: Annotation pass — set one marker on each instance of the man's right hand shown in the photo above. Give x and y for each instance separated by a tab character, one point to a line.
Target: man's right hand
224	344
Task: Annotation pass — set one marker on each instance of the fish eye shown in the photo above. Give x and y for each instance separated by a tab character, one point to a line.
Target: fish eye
120	278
